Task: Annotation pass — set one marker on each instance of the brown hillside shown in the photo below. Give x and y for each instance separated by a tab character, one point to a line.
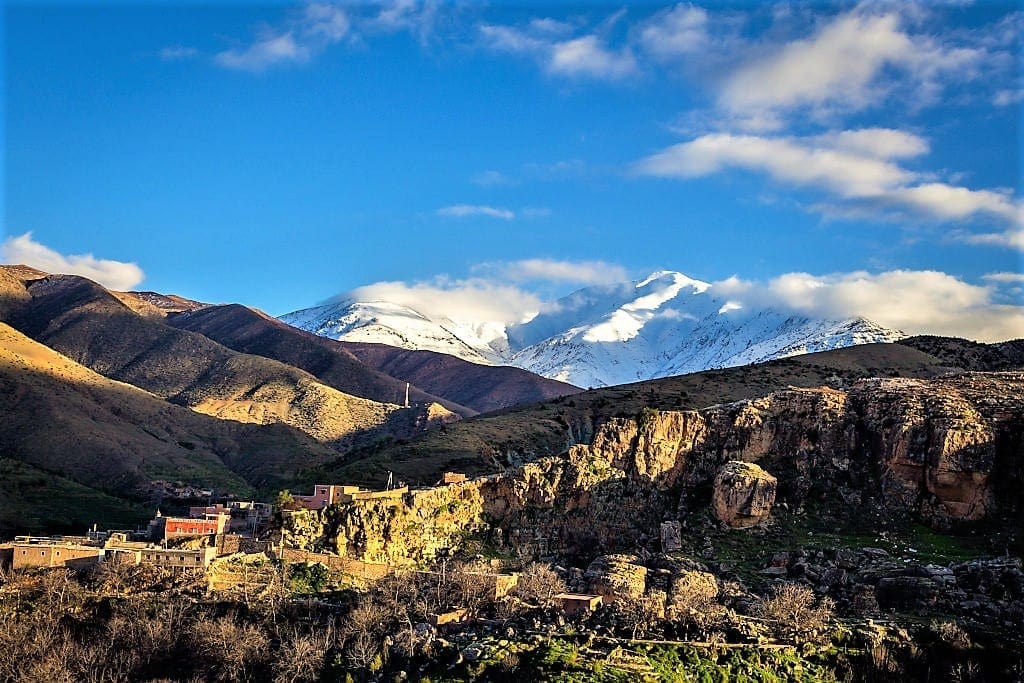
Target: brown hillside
970	355
250	331
482	387
489	442
85	322
65	419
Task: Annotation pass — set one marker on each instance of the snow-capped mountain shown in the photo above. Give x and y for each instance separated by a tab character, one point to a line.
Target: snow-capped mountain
666	324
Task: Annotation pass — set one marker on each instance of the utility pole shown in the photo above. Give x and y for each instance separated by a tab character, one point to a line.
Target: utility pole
406	394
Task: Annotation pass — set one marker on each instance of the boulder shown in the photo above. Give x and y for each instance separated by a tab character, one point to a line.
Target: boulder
743	494
617	576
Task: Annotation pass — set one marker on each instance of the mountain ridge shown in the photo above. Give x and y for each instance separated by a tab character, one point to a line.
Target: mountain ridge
662	325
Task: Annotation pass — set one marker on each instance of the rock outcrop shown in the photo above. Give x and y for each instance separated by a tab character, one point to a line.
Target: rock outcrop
617	576
947	451
743	494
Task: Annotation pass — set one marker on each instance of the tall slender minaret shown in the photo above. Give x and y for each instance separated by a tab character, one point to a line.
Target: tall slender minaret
406	394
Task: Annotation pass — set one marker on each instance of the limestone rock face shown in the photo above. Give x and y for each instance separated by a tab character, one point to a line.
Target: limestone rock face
945	450
743	494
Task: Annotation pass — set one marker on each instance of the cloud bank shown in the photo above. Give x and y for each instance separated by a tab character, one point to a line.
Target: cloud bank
914	301
856	166
24	250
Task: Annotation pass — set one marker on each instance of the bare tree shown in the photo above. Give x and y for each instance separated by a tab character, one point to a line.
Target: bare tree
302	656
795	611
539	584
233	650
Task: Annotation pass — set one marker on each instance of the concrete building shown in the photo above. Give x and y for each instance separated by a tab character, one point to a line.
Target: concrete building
40	553
169	528
133	552
246	517
330	494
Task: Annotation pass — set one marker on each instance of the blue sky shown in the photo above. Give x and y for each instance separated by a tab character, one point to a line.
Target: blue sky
842	157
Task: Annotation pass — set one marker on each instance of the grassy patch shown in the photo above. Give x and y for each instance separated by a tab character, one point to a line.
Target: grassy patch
35	501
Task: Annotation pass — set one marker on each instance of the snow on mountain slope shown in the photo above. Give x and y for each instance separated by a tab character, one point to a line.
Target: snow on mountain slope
666	324
382	322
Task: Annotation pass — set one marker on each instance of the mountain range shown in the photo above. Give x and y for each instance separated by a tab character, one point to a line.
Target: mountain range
107	394
662	325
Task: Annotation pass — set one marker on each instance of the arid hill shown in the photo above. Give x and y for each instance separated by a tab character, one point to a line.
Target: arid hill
85	322
482	387
247	330
488	443
969	355
64	421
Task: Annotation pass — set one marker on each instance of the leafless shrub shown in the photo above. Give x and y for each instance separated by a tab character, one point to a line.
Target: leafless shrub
231	650
539	584
636	616
694	601
302	655
950	633
796	613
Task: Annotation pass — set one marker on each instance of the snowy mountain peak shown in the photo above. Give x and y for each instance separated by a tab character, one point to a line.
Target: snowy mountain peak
665	324
672	278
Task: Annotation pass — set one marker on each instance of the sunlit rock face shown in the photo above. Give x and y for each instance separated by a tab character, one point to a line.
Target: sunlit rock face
743	494
944	451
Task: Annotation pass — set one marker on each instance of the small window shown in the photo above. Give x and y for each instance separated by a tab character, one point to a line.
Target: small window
42	552
58	553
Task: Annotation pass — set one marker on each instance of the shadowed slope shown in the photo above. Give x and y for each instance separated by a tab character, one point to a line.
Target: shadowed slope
87	323
482	387
250	331
63	418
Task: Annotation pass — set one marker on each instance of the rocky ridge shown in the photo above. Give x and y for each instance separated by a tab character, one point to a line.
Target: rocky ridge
945	451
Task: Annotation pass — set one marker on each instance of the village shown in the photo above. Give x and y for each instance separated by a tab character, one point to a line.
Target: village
429	580
211	540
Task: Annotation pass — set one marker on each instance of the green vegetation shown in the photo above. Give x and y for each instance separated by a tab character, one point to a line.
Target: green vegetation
307	578
35	501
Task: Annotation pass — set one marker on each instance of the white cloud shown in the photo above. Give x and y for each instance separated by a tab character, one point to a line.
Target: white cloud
678	31
847	64
420	19
177	52
549	26
24	250
588	57
308	33
1012	238
463	210
1005	98
585	56
553	270
491	179
952	202
785	159
882	143
852	165
472	300
1003	277
915	301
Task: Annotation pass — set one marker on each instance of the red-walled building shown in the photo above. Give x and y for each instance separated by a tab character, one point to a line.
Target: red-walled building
166	528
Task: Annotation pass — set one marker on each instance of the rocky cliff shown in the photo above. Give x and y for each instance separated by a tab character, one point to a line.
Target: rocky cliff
946	451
